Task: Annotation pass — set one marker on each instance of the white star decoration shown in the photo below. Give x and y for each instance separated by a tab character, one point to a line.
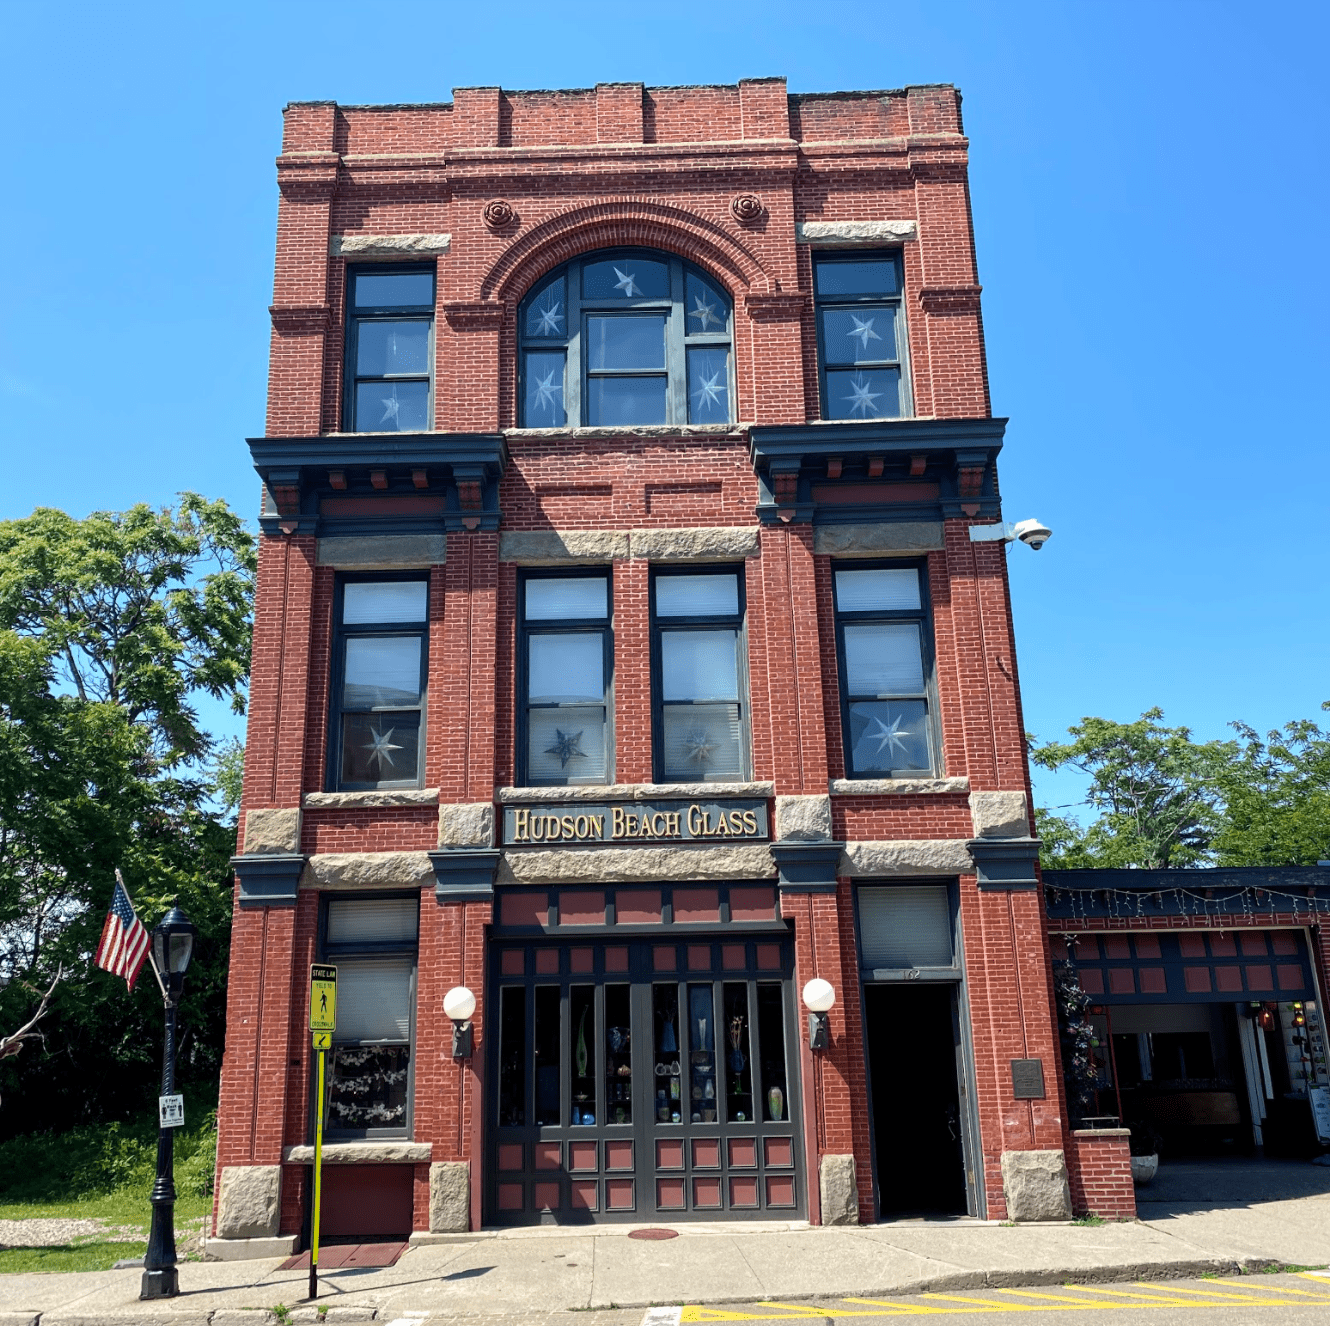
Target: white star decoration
704	311
546	391
626	284
708	391
862	399
888	738
699	745
863	331
379	745
391	405
549	319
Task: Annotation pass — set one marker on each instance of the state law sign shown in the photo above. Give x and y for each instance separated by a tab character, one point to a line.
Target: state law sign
322	998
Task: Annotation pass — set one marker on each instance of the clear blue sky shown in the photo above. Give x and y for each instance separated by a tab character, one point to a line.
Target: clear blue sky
1150	204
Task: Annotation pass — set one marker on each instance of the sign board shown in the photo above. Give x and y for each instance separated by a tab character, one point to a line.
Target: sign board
636	822
1320	1099
171	1111
323	1040
1027	1079
322	998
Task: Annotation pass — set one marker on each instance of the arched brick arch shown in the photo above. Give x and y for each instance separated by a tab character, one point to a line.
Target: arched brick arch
637	222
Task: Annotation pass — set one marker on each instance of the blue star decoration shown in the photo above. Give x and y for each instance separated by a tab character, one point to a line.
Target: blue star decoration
708	391
888	738
626	284
546	390
567	746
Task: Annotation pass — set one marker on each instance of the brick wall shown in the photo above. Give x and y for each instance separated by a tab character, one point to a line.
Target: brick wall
1099	1173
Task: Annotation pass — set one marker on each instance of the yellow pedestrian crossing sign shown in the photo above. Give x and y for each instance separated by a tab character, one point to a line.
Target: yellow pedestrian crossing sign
322	998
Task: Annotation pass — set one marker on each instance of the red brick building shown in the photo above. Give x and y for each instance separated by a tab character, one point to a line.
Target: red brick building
623	655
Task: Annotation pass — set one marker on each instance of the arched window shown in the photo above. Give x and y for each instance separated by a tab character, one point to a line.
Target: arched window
625	336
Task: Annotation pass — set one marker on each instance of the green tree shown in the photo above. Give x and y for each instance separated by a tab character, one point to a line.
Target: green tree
1157	793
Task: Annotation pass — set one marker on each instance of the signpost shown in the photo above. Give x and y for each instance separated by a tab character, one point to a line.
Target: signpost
322	1024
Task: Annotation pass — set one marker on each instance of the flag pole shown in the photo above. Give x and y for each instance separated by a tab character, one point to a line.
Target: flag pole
152	961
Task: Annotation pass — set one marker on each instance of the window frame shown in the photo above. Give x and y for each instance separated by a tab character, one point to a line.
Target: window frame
562	626
337	678
923	616
678	339
355	318
349	951
896	303
738	622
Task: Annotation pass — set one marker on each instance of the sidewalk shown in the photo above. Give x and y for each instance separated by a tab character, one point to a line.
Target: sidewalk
535	1277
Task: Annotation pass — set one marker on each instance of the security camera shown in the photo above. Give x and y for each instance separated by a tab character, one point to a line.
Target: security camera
1032	532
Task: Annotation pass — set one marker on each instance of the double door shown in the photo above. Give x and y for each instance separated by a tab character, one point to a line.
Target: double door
639	1080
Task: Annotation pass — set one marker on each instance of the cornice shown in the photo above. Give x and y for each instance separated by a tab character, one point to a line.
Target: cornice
299	319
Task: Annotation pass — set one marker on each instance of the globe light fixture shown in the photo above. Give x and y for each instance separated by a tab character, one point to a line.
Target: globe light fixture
459	1004
819	997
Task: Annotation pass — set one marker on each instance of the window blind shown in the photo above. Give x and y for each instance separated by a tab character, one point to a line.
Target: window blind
374	1000
907	926
373	920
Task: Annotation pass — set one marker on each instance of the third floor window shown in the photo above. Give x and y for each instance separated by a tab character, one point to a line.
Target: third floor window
389	349
625	337
860	336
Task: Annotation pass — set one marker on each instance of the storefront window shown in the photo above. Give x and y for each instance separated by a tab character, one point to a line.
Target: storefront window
512	1056
546	1050
702	1060
618	1055
582	1052
771	1041
738	1068
669	1077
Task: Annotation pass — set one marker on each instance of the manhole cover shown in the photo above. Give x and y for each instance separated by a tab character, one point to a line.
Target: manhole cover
654	1234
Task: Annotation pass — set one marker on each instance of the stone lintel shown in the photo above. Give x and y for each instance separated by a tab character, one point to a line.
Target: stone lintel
407	796
383	552
560	547
882	538
854	234
633	792
906	856
368	870
362	1153
695	545
389	246
870	787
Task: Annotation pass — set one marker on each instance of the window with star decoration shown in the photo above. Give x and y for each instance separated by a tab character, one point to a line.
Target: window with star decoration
566	659
625	337
700	676
860	336
379	683
885	665
389	349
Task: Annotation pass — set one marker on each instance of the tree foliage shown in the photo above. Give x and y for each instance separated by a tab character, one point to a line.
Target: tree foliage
110	629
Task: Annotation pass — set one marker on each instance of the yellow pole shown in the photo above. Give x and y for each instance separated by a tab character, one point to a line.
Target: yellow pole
318	1184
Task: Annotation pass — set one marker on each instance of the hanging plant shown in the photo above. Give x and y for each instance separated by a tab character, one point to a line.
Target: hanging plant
1076	1034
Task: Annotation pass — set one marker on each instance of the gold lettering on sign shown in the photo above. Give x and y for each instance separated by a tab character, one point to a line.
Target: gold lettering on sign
529	826
521	826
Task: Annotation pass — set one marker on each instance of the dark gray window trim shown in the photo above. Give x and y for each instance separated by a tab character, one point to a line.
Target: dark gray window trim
334	953
895	303
924	616
562	626
333	778
678	339
355	317
739	622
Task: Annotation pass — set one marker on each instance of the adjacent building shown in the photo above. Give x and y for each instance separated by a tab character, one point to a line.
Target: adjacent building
623	657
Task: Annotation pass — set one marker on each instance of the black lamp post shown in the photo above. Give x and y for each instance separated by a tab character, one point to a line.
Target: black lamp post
172	948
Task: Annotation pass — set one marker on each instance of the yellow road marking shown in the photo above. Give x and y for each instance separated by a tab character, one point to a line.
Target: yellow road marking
986	1302
1158	1297
1223	1297
1282	1289
1060	1298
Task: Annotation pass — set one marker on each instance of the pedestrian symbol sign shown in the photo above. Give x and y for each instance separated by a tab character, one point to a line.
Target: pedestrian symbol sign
322	998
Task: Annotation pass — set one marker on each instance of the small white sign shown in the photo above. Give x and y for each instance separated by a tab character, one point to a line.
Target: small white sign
1320	1100
171	1111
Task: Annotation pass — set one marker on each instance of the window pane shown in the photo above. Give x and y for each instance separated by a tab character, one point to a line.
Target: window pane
886	588
888	736
864	395
618	1055
771	1043
392	407
702	742
668	1070
374	1000
561	599
708	386
697	596
367	1087
547	1054
706	308
567	744
512	1056
906	926
873	277
626	278
542	397
380	748
393	289
738	1068
884	658
373	920
582	1051
392	347
547	313
380	601
382	672
702	1060
618	342
859	336
626	400
698	665
564	668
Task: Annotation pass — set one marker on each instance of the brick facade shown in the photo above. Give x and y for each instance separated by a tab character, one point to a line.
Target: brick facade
662	168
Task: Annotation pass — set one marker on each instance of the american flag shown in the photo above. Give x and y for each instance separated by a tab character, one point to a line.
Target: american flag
124	943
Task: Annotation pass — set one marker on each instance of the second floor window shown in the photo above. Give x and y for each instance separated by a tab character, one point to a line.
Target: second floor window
625	337
884	671
566	656
389	349
860	336
379	684
698	656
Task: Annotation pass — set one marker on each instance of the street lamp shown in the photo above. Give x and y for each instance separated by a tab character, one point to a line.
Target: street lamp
819	997
172	948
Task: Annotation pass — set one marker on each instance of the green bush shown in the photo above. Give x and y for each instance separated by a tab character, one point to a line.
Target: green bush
96	1159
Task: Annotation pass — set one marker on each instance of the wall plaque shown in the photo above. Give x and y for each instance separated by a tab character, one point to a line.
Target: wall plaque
1027	1079
635	822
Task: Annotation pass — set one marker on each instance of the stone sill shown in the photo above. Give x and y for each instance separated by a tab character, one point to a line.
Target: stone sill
243	1250
362	1153
1101	1132
860	787
633	792
406	796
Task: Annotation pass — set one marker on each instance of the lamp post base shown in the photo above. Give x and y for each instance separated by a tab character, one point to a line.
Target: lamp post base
160	1284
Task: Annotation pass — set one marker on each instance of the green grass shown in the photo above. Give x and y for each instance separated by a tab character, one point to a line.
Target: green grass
1091	1219
69	1257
